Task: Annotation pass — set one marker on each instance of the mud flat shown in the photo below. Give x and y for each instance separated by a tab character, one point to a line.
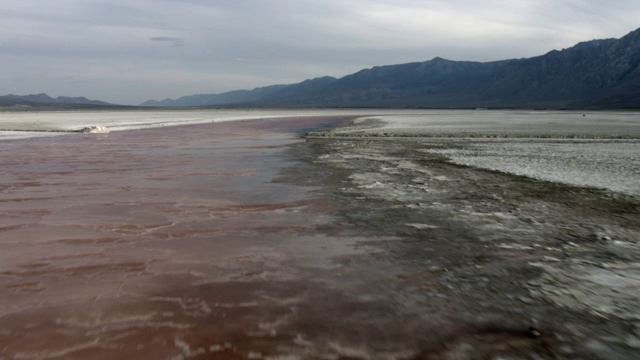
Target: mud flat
242	241
494	252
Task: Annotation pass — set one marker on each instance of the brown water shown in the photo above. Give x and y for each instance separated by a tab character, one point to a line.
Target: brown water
168	243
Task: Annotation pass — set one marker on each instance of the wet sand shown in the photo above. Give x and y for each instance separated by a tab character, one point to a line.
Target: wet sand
239	240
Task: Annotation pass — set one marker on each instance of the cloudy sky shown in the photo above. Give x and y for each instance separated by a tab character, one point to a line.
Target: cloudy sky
130	51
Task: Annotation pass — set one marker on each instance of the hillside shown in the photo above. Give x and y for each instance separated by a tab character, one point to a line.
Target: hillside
591	74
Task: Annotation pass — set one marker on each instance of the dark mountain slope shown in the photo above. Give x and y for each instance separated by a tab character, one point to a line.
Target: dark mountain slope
406	84
592	74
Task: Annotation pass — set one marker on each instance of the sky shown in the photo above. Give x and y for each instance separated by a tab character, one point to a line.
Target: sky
129	51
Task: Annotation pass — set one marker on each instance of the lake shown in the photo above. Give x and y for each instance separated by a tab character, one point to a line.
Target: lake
224	234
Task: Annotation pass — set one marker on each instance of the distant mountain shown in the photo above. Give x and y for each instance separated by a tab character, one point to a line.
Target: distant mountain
257	95
592	74
231	97
46	100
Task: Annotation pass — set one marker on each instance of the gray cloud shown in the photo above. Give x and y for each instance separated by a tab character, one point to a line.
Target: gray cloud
109	49
174	41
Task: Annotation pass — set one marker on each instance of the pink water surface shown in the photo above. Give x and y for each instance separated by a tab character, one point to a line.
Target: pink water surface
169	243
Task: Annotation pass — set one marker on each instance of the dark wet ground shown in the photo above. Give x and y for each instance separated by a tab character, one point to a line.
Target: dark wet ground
494	259
237	240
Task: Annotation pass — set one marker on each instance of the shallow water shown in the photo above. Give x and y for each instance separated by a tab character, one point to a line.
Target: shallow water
217	240
134	244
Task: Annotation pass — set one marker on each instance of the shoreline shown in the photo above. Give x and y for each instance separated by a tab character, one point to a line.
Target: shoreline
50	122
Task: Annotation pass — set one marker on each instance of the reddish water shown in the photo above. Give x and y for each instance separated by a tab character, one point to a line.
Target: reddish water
174	243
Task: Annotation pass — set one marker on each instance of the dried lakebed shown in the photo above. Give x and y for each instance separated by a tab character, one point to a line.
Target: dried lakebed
236	241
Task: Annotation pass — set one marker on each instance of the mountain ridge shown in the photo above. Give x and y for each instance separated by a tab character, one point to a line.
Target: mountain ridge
602	73
594	74
43	101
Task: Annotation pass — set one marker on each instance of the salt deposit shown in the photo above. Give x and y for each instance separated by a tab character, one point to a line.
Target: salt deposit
593	149
95	129
21	124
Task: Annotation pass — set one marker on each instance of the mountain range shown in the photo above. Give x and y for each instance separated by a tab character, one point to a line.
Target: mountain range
602	74
596	74
40	100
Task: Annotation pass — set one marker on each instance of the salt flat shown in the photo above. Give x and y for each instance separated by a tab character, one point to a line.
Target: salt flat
593	149
24	124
